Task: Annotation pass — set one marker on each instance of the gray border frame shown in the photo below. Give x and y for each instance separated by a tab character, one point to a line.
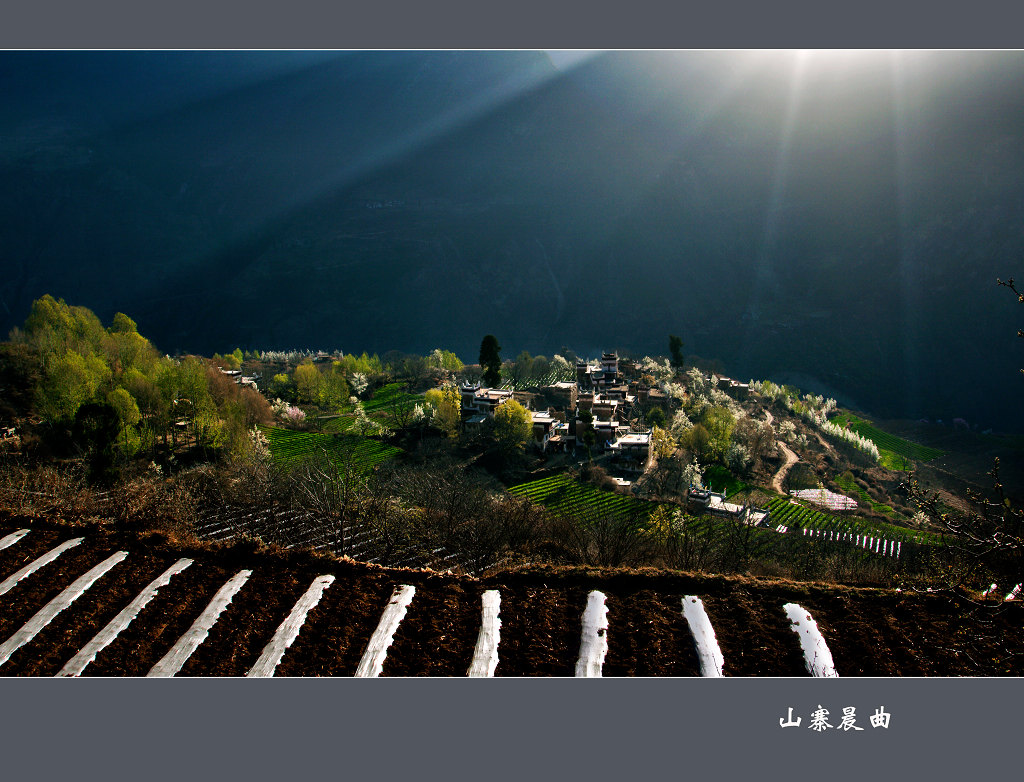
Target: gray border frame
445	24
508	729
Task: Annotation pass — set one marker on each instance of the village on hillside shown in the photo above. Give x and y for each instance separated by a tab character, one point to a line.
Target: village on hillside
603	413
425	461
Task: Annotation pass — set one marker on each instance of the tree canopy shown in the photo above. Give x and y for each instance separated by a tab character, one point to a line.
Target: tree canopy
513	426
490	360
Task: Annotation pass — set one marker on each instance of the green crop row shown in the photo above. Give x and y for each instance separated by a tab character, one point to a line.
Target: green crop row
797	515
563	495
287	445
901	450
387	396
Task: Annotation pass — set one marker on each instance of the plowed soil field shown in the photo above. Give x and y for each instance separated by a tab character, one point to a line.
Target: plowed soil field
870	632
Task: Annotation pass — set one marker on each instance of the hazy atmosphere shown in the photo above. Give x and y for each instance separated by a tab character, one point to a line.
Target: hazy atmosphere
836	221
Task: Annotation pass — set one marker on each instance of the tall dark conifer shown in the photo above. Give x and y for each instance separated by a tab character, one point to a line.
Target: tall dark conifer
490	360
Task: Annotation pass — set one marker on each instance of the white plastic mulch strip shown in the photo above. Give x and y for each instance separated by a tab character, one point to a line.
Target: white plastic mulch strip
594	636
373	658
286	634
816	653
104	637
32	567
171	662
1014	593
13	538
710	655
485	656
46	614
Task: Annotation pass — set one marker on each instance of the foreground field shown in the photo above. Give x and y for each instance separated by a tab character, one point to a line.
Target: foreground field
870	632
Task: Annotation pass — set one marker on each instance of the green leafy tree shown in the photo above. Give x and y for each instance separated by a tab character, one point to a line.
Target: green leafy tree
521	369
128	416
445	359
656	417
697	440
71	382
719	422
447	407
663	444
282	386
53	328
490	360
333	392
122	324
307	383
513	426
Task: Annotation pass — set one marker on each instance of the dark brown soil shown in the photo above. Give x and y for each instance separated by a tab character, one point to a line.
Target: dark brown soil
870	632
438	635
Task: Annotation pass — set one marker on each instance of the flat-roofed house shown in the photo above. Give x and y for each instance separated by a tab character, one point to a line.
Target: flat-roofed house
632	451
477	400
563	395
543	427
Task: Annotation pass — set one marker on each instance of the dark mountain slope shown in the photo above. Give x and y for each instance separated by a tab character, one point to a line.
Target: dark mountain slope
845	231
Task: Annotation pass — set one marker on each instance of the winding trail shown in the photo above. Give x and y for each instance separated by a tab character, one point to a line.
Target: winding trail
780	476
791	458
823	441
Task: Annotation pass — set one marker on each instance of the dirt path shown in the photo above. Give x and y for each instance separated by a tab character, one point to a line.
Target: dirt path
791	458
780	476
824	442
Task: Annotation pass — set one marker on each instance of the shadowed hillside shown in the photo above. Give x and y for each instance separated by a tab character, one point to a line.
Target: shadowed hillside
843	234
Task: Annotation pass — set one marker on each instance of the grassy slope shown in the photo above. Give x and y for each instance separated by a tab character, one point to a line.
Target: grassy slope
895	452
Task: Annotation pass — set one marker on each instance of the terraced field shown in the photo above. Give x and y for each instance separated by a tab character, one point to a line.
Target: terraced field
379	408
565	496
797	515
92	601
895	452
849	485
289	528
287	445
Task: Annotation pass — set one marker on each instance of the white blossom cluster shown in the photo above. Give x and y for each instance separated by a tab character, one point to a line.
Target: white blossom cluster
697	382
260	446
692	475
818	416
560	366
358	383
767	389
661	371
815	409
737	457
849	436
680	423
696	405
787	431
673	390
365	425
286	356
287	412
719	397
